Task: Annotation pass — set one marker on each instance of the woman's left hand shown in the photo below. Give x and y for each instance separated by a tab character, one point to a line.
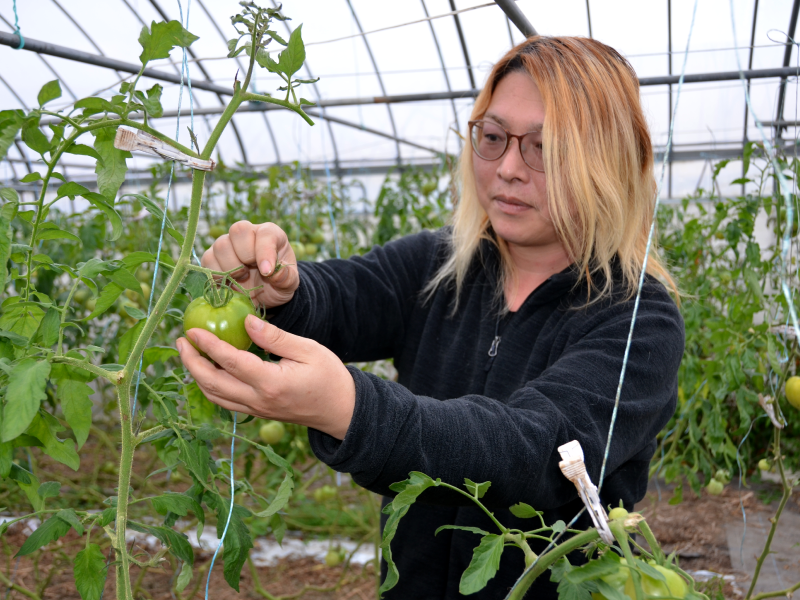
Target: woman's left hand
308	386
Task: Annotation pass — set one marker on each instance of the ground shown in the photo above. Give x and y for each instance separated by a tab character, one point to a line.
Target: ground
697	529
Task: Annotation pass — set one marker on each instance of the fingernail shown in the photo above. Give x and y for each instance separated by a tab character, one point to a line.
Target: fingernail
265	267
255	323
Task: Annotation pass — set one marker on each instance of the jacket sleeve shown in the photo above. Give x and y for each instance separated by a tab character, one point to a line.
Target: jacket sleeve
513	443
359	307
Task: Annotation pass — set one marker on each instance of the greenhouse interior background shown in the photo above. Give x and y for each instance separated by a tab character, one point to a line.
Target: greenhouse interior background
397	80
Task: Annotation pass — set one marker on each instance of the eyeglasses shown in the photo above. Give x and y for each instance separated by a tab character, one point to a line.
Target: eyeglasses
490	142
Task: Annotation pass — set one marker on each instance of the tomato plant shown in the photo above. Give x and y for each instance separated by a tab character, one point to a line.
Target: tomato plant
47	375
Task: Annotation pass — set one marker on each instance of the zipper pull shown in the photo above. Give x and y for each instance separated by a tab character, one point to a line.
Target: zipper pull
492	352
495	344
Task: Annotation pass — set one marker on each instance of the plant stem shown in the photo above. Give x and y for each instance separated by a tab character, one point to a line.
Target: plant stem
787	492
87	366
524	583
787	593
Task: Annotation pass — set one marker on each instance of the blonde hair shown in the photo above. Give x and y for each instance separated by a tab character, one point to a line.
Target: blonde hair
598	162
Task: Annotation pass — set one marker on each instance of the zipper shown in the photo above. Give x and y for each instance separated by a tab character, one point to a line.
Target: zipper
495	344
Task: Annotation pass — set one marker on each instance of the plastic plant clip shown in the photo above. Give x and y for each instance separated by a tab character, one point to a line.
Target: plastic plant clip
768	404
574	469
141	141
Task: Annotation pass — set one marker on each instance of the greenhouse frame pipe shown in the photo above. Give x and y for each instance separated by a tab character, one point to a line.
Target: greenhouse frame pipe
787	57
441	61
517	17
314	85
377	73
463	43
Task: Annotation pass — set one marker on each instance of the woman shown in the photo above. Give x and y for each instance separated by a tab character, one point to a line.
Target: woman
507	330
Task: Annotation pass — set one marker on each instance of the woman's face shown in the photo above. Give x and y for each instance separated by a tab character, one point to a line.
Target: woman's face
512	194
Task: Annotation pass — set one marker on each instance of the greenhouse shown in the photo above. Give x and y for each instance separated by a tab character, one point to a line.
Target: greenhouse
422	299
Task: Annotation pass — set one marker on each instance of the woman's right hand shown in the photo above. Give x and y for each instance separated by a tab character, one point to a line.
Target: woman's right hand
259	248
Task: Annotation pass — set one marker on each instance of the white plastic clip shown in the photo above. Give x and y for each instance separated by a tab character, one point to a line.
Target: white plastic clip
141	141
574	469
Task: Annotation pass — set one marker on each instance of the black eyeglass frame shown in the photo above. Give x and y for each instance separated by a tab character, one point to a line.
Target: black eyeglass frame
509	137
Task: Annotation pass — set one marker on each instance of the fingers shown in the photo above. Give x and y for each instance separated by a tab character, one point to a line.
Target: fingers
270	240
277	341
217	385
243	366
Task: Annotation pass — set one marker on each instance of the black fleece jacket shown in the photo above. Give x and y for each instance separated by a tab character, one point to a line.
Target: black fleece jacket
456	412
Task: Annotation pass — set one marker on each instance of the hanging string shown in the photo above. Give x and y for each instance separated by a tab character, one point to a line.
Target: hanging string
556	539
17	31
230	511
646	254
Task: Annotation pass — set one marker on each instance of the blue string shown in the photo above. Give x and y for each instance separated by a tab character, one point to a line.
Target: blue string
330	201
230	512
646	254
184	72
16	28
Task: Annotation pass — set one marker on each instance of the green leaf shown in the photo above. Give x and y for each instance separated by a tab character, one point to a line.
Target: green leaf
178	543
7	214
237	542
291	59
108	516
128	339
50	231
111	171
26	390
161	38
107	297
152	102
524	511
71	189
409	490
281	497
49	531
31	177
484	564
61	450
33	136
179	504
10	124
275	459
70	517
195	456
20	317
50	91
195	283
28	483
89	568
93	105
113	216
83	150
77	407
477	489
184	578
470	529
49	489
158	354
49	326
125	279
278	525
200	407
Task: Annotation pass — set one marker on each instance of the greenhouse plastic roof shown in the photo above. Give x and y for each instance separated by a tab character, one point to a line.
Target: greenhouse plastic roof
362	50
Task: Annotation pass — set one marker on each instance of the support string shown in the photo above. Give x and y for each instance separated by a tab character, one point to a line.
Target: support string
646	254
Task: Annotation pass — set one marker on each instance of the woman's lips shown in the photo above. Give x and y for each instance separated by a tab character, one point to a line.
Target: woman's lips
510	206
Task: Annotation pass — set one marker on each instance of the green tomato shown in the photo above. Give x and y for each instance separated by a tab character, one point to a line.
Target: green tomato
334	557
272	432
216	231
715	487
226	322
793	391
723	476
299	250
764	465
617	513
673	587
325	493
311	249
317	237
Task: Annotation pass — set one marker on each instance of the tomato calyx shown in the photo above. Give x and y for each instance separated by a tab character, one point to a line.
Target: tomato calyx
217	296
